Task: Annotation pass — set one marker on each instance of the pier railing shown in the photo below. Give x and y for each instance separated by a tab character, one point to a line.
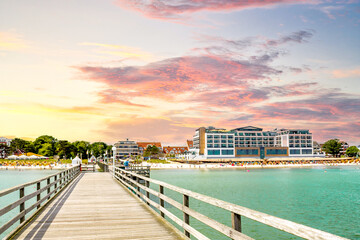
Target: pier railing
142	170
54	183
135	182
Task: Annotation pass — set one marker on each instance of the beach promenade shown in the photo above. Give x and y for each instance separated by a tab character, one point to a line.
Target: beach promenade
95	206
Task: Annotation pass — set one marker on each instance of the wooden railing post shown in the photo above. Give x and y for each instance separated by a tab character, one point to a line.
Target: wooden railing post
60	176
147	184
186	216
55	186
22	205
38	196
137	186
236	221
161	200
48	183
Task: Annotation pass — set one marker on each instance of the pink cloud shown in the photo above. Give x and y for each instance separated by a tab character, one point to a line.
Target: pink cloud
172	9
179	75
346	73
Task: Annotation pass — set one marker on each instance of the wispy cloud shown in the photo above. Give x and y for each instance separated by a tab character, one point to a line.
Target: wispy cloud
174	9
120	50
329	10
11	42
346	73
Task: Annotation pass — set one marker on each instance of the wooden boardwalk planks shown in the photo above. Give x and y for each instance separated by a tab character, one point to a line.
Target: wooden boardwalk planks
95	206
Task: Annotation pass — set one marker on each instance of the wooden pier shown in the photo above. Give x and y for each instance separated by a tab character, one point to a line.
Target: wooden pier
125	205
94	206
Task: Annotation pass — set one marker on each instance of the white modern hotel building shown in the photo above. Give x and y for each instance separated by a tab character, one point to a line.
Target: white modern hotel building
252	142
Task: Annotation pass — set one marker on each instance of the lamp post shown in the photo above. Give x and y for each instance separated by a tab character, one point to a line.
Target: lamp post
114	155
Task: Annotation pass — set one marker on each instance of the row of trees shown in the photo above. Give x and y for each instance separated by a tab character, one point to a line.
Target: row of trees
49	146
334	147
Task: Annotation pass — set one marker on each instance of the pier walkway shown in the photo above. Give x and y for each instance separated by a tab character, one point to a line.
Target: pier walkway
95	206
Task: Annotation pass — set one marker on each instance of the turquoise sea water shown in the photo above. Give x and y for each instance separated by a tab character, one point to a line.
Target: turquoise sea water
11	178
324	198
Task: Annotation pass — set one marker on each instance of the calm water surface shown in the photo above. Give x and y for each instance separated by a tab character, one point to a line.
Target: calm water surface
11	178
324	198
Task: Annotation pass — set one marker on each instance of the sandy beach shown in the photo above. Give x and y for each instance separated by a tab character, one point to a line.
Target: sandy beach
244	166
176	165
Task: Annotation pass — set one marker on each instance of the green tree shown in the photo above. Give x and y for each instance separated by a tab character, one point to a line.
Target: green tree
65	149
46	144
46	149
22	145
352	151
151	151
109	150
98	148
81	148
332	146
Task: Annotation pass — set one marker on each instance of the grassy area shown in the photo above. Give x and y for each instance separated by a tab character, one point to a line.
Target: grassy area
157	161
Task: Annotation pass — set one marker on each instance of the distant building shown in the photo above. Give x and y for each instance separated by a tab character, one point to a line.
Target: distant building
174	150
143	145
125	149
5	141
252	142
190	144
344	147
299	141
317	148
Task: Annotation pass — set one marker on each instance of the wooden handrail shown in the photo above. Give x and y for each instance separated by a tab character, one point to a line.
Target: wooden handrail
234	232
65	177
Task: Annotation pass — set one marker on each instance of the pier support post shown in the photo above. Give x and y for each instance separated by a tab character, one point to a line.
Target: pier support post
55	186
186	216
48	183
38	195
137	187
161	201
147	184
22	205
236	221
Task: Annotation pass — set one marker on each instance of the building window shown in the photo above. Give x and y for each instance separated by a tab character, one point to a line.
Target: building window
209	145
306	151
294	151
247	152
227	152
276	151
216	145
223	136
223	145
213	152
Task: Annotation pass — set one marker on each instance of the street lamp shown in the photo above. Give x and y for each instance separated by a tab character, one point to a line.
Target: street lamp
114	155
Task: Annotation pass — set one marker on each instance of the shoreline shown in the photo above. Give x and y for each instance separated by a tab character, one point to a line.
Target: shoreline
160	166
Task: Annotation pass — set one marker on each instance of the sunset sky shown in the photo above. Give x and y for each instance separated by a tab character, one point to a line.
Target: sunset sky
106	70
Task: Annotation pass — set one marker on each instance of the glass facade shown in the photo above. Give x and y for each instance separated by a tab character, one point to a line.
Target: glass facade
214	152
227	152
306	151
295	151
276	151
247	152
